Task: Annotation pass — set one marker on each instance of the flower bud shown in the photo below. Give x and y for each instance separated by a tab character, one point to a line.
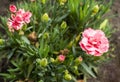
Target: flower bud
43	1
42	62
61	58
1	41
62	2
45	17
12	8
46	35
75	68
52	60
41	81
67	76
32	36
95	9
37	44
78	60
21	32
66	71
63	25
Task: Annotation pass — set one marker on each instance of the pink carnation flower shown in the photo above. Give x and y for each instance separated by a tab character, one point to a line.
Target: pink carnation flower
12	8
18	18
61	58
94	42
15	25
16	22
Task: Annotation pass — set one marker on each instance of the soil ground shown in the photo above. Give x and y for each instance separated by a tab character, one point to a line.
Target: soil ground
108	72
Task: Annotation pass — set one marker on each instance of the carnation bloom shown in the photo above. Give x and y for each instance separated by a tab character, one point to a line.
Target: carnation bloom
18	18
12	8
94	42
16	22
61	58
15	25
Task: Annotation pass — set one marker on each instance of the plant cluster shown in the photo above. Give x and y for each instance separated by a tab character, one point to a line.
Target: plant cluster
55	40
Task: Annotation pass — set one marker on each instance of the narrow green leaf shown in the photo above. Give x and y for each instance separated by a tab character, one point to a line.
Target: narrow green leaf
25	39
88	69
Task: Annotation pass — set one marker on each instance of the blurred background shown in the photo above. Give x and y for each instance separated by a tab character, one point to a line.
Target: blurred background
109	71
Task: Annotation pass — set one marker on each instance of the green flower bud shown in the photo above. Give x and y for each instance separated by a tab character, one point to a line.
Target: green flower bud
1	41
52	60
43	1
46	35
66	71
68	77
45	17
63	25
42	62
21	32
41	81
37	44
95	9
75	68
78	60
62	2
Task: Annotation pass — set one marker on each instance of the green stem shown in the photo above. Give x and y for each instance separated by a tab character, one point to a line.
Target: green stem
85	79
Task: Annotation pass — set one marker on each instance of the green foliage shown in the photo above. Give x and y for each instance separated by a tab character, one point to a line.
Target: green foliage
55	29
